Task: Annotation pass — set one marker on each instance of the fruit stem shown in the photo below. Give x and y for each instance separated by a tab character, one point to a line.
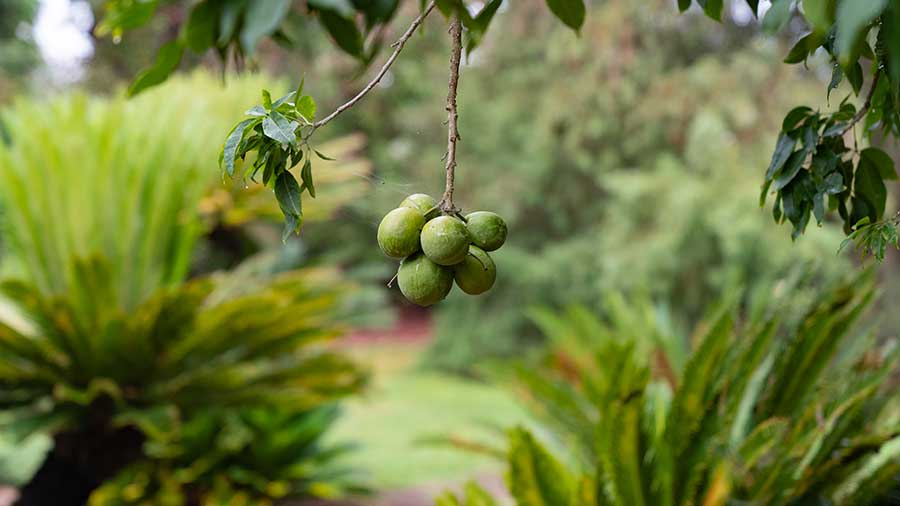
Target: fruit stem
446	203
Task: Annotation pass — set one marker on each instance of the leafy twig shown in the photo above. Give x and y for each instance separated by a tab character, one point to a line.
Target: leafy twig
446	203
866	105
398	46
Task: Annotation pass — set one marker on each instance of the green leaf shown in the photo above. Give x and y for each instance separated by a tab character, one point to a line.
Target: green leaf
283	100
684	5
890	32
278	128
267	100
852	17
307	178
200	30
834	183
806	45
287	192
791	168
299	92
794	117
232	10
869	186
341	7
837	75
536	478
777	16
819	14
855	76
344	32
306	107
570	12
229	151
262	18
124	16
257	111
712	8
819	207
166	62
881	160
783	149
323	157
479	25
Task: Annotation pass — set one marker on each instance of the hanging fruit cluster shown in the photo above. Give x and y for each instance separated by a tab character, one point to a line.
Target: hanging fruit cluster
437	249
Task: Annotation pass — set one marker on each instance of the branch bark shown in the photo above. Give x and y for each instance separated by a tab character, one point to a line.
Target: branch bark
861	113
453	137
398	46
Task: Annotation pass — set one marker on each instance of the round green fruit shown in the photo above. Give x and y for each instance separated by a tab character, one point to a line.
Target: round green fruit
445	240
424	203
487	229
398	232
475	274
422	281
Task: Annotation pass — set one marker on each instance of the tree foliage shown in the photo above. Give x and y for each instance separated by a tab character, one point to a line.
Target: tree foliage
817	167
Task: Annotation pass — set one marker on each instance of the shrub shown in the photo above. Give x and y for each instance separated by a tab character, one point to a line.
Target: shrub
752	415
112	384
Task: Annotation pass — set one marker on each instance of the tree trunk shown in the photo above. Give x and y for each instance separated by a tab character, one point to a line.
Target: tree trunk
78	463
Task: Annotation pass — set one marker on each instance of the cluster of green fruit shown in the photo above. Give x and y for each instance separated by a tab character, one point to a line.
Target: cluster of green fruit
437	249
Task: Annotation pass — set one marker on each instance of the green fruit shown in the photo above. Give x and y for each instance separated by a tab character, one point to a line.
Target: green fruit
487	229
398	232
423	203
422	281
445	240
475	274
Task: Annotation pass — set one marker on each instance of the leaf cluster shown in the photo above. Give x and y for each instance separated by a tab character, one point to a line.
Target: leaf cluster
855	35
753	413
278	133
813	172
238	26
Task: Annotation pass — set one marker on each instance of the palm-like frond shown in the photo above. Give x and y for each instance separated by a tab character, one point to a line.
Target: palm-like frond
175	349
265	454
755	415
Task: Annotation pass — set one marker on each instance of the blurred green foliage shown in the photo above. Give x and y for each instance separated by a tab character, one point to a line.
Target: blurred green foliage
624	158
104	344
18	54
737	412
253	457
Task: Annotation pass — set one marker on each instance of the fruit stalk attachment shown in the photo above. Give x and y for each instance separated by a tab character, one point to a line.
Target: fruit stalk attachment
446	204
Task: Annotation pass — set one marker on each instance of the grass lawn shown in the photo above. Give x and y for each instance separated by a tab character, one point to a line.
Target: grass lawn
405	405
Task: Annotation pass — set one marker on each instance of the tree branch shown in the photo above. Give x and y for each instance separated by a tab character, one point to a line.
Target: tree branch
398	46
446	203
861	113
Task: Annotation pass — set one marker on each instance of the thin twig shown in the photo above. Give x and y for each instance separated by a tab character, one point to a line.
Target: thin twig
446	203
398	46
865	107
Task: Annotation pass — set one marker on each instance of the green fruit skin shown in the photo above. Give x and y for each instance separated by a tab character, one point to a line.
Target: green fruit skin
398	232
487	229
422	281
477	273
423	203
445	240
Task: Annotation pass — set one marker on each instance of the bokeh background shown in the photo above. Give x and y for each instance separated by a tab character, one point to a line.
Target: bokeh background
626	161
